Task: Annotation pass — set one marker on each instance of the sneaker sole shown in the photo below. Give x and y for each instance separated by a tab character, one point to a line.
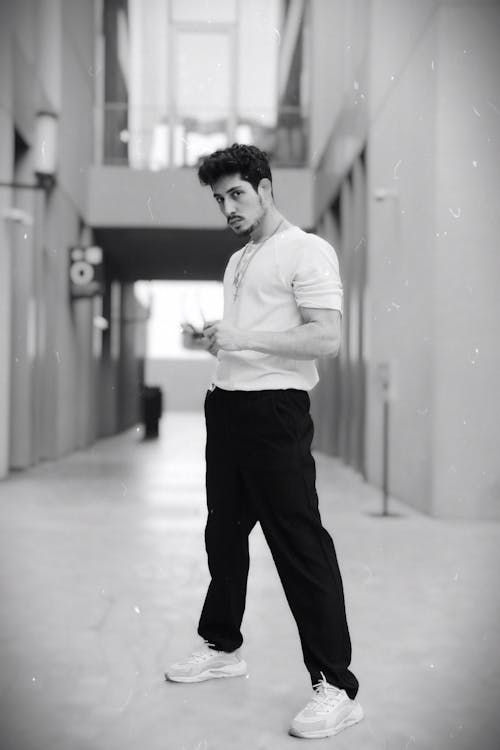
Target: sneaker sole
354	717
232	670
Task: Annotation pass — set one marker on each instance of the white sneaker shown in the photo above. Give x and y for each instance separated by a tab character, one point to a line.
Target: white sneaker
328	713
207	664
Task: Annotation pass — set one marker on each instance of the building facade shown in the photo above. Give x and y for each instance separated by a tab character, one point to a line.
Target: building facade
381	118
408	143
70	368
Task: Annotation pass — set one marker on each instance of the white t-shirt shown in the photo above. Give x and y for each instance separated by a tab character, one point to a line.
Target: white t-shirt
292	269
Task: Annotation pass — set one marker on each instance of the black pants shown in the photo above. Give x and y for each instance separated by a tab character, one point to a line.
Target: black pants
260	468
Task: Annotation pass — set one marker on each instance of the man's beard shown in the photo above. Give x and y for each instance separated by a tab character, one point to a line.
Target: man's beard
257	221
247	231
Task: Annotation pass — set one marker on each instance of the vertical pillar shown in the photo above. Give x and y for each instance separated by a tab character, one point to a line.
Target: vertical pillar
5	325
6	164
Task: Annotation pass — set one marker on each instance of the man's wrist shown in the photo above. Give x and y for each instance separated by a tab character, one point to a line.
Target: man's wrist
244	340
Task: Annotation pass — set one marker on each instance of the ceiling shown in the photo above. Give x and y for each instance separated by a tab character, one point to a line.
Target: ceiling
134	254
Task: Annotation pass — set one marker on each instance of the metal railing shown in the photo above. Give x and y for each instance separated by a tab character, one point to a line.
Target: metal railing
148	138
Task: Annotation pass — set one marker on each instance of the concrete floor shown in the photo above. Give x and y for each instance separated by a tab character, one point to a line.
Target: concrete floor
103	574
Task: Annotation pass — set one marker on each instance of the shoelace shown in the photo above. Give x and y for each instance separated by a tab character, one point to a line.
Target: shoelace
199	656
326	695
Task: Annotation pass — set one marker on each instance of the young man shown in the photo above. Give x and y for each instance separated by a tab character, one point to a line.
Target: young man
282	310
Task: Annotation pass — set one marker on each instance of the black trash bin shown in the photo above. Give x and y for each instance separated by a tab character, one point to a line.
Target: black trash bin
152	408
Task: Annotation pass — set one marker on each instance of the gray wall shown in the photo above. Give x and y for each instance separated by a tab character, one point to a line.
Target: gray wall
50	358
417	86
434	261
467	263
401	238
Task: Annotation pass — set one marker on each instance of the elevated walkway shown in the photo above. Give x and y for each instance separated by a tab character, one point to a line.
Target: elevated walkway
165	225
103	575
174	199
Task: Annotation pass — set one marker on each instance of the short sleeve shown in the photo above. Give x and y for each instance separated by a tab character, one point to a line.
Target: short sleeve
316	280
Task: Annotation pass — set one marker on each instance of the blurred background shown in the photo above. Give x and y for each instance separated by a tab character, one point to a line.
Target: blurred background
381	118
382	122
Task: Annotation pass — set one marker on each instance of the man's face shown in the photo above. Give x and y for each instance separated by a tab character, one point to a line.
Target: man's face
240	204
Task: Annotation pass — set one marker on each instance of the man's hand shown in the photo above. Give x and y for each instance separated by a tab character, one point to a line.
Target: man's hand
318	336
224	336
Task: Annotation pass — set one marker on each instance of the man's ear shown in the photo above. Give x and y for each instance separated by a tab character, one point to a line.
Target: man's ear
265	191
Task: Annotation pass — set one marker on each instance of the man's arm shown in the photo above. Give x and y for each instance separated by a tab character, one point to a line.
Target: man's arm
318	336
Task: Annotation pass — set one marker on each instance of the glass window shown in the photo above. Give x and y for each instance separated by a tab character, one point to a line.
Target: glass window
204	11
203	93
202	75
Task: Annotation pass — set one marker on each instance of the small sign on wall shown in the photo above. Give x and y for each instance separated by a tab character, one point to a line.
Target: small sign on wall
86	276
385	378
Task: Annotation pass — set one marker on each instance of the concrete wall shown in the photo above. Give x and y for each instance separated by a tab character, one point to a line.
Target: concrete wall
77	110
69	356
434	260
401	241
339	127
50	357
49	46
6	167
340	44
131	361
417	87
467	263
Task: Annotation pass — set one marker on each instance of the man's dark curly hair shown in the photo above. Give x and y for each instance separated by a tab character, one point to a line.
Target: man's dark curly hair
248	161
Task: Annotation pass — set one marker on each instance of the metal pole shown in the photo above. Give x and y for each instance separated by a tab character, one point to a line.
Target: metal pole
44	182
21	186
385	458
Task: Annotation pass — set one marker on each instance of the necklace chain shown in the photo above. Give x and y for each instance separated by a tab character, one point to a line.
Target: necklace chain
245	259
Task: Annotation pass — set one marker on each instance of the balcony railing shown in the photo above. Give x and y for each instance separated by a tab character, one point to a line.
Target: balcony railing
148	138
